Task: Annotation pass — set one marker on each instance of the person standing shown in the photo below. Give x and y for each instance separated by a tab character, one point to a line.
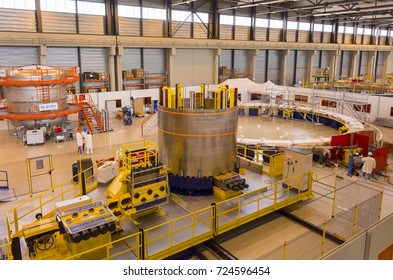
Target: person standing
89	143
79	141
368	166
83	133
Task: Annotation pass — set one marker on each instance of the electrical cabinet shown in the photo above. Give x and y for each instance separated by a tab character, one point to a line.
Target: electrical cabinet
35	137
296	162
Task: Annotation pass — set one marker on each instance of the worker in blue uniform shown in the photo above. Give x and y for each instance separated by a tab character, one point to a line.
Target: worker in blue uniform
351	161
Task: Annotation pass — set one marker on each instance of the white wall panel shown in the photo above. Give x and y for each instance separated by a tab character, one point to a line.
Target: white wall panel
181	29
364	62
63	57
194	66
291	35
225	32
129	26
260	33
153	28
154	60
316	59
242	33
260	67
275	34
301	66
131	59
18	56
274	66
303	36
346	63
17	20
200	31
290	68
58	22
225	58
317	37
94	60
91	24
241	61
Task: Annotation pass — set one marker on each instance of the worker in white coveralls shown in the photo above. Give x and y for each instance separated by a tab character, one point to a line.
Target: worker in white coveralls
368	166
79	141
89	143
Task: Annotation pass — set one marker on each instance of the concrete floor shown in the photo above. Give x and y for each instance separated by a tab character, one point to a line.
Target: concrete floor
351	190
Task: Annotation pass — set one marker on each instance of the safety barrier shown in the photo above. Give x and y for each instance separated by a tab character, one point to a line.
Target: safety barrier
272	163
342	226
242	209
178	234
4	180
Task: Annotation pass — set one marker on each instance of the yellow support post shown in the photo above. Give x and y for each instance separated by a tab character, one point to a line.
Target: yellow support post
202	99
334	195
179	96
29	177
285	250
355	214
380	207
231	97
50	172
323	238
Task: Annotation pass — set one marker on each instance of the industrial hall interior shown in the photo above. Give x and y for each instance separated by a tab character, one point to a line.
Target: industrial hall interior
196	130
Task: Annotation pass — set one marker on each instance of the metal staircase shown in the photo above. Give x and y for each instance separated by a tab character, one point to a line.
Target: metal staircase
148	124
90	116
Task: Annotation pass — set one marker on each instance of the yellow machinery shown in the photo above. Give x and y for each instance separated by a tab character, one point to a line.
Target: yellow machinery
142	183
79	224
349	151
228	185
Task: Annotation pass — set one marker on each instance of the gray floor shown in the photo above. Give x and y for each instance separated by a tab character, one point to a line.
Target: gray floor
255	243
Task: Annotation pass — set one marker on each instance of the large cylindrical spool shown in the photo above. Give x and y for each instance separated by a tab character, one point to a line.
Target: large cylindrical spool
197	143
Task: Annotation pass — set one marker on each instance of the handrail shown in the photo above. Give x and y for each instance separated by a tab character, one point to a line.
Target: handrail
146	122
4	180
96	112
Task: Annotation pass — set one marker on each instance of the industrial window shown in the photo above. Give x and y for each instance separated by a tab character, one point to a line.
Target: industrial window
391	33
91	8
129	11
327	28
292	25
340	29
304	26
276	23
261	22
318	27
181	16
367	31
201	17
391	111
328	103
243	21
302	98
18	4
224	19
152	13
61	6
384	33
362	108
348	30
360	30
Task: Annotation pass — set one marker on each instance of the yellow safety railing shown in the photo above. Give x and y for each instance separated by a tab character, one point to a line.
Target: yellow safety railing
239	210
329	193
139	154
45	201
179	234
274	162
131	245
